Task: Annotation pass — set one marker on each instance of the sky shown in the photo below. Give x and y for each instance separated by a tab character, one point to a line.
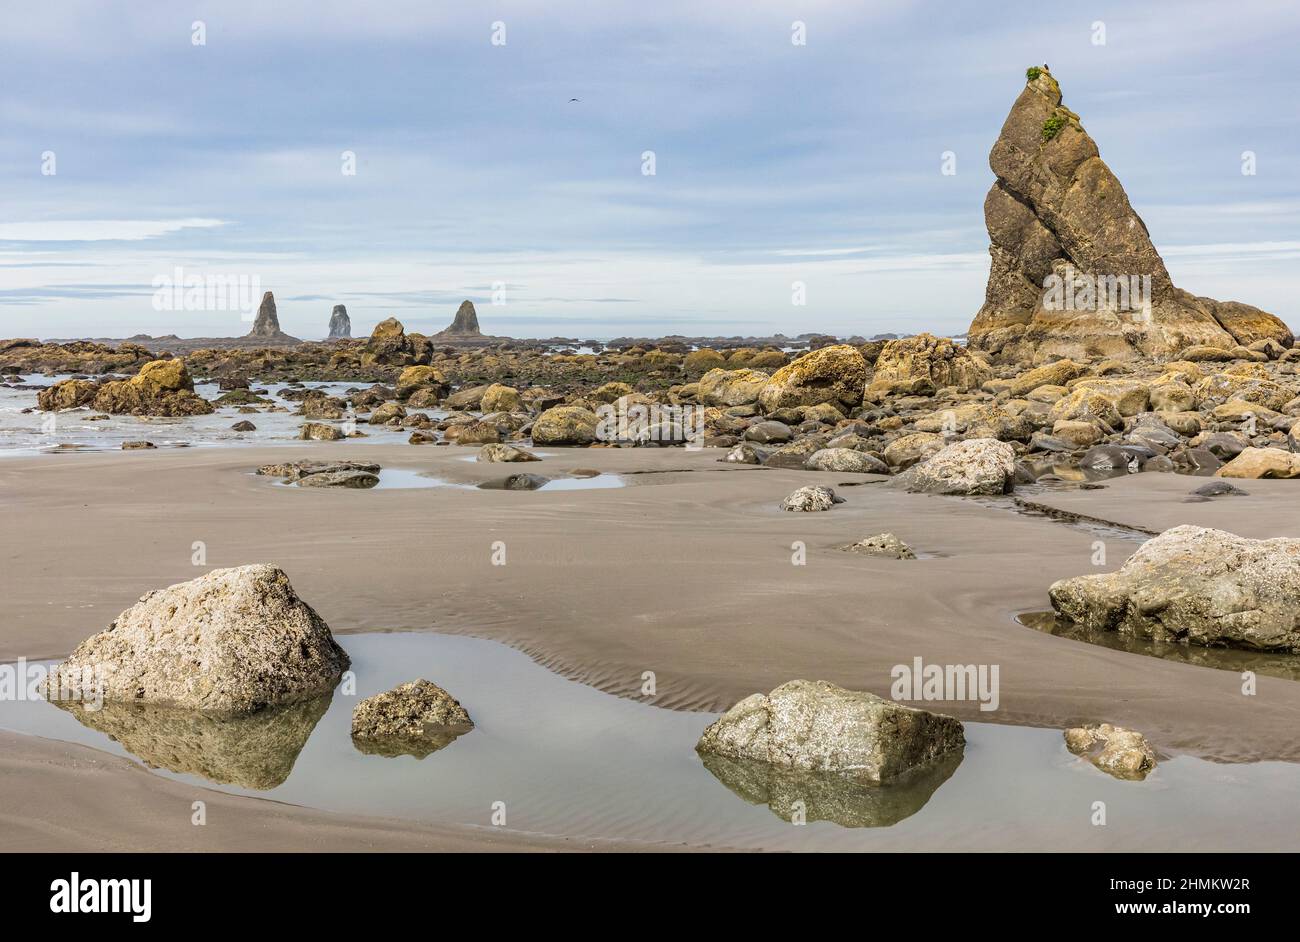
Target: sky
797	187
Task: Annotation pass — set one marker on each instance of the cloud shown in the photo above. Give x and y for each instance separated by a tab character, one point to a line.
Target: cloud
99	230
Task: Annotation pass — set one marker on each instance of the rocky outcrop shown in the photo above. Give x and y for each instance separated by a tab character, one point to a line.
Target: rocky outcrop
1122	753
922	365
161	388
267	325
817	726
340	323
465	323
233	641
1074	272
67	394
1195	585
388	345
414	718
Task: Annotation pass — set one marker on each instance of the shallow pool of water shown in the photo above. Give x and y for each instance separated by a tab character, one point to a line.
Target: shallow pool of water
566	759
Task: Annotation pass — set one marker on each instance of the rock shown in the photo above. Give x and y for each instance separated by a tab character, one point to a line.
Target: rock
495	453
817	726
747	453
388	345
1220	388
1119	752
721	387
386	413
293	470
769	433
976	466
1057	210
1195	585
67	394
845	460
415	378
815	497
1049	374
319	432
415	718
161	388
835	374
358	480
243	426
1219	489
1086	405
499	398
565	425
882	544
267	324
517	482
233	641
340	323
465	323
907	450
1076	434
924	364
137	446
1262	463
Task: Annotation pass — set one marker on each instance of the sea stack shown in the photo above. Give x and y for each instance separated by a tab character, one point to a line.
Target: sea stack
340	323
1074	272
268	322
465	322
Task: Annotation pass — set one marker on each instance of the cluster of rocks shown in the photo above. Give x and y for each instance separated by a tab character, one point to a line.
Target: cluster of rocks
350	474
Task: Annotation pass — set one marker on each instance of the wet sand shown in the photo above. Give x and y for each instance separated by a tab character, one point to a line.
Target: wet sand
685	572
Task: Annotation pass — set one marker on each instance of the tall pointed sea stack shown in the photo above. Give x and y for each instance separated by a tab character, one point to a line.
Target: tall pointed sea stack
268	322
1074	272
340	323
465	322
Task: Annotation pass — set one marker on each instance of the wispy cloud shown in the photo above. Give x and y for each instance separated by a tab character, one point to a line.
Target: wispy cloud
99	230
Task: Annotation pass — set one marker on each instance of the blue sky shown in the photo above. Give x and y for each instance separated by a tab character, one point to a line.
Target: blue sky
774	162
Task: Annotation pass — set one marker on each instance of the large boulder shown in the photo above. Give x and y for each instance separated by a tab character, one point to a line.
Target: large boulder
924	364
1262	463
817	726
1195	585
1068	252
161	388
388	345
835	374
67	394
415	378
232	641
975	466
565	425
500	398
731	387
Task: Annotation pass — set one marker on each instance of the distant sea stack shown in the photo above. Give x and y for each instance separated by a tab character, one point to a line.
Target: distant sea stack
1069	254
340	323
267	325
465	324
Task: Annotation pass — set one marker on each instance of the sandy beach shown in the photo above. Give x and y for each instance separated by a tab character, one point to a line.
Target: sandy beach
685	572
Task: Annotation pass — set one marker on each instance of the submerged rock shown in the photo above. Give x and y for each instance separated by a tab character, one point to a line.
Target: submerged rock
516	482
1120	752
815	497
352	479
502	452
232	641
1195	585
817	726
415	718
293	470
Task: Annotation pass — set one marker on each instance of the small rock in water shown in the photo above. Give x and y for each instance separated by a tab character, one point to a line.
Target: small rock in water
352	479
516	482
137	446
501	452
1122	753
584	473
319	432
817	726
293	470
244	426
882	544
747	453
415	718
814	497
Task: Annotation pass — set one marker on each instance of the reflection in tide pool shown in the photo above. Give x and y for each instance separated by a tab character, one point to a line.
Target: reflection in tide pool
566	759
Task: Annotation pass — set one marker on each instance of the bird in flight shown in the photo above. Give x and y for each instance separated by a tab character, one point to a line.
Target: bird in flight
575	99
